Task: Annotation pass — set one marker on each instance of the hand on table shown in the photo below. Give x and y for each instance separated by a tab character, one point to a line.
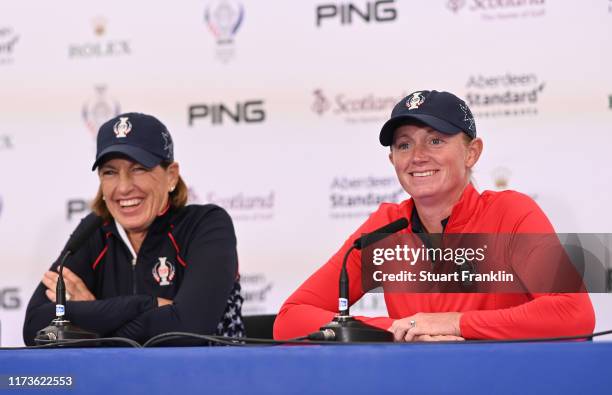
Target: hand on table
427	327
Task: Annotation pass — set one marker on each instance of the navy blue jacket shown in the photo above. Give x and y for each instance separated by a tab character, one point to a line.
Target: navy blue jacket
188	256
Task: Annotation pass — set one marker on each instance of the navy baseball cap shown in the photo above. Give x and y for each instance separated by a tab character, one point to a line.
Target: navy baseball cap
140	137
442	111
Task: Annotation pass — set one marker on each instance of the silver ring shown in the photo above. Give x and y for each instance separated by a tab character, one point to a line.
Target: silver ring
412	323
68	296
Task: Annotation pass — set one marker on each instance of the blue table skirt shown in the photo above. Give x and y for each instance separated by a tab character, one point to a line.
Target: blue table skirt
526	368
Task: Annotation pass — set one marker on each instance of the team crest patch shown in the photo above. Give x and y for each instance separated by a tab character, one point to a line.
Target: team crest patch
163	272
415	100
122	127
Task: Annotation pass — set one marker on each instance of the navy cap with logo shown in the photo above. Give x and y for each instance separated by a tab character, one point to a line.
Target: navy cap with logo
442	111
140	137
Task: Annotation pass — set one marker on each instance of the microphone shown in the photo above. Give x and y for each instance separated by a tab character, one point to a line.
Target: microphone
60	327
380	233
344	327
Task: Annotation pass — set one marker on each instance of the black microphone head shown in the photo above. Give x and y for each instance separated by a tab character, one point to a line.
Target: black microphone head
83	231
380	233
394	226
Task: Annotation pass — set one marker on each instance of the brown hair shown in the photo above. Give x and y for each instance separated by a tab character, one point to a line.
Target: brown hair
177	199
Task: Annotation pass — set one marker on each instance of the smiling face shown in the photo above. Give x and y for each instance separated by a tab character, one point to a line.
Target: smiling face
134	194
431	165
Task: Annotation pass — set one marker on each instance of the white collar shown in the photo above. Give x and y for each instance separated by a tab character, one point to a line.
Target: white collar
125	238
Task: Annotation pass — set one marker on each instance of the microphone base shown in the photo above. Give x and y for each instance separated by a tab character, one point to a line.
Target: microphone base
60	330
347	329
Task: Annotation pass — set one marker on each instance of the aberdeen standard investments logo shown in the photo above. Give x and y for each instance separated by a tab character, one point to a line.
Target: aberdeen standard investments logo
99	46
358	197
99	109
499	9
224	18
504	95
354	108
255	290
8	41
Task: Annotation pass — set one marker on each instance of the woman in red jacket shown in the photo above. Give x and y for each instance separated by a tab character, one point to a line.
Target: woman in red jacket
434	146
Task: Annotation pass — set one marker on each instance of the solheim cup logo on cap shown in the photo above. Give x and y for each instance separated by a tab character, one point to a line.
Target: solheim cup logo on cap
354	108
8	40
415	100
359	196
98	46
224	18
99	109
504	95
490	10
163	272
122	127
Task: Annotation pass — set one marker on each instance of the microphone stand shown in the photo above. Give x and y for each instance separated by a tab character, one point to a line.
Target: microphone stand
60	327
344	327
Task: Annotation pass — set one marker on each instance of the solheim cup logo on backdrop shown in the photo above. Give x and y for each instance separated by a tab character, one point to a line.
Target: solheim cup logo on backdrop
224	18
99	109
8	39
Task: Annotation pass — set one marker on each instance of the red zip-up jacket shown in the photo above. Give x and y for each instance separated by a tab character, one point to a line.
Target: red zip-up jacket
485	316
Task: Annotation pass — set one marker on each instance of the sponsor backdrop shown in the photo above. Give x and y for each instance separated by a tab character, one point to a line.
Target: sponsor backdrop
275	108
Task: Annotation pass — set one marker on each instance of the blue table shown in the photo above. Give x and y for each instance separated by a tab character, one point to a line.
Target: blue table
526	368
